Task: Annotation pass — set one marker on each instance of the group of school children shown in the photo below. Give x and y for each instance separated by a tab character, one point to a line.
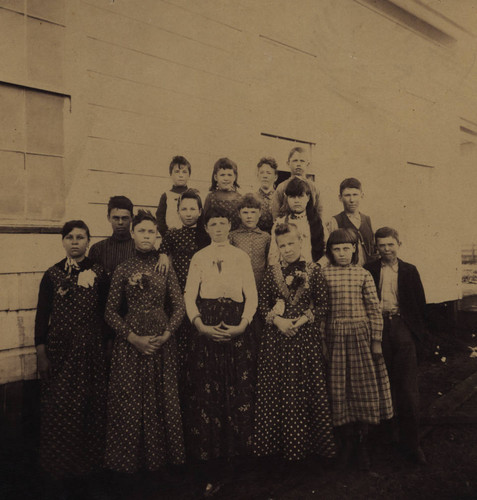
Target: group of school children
254	330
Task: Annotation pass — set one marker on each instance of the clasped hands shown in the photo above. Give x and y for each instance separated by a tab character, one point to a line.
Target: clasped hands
148	344
289	326
221	332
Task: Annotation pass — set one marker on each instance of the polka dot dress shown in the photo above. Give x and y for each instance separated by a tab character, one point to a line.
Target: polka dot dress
73	399
293	417
225	202
144	420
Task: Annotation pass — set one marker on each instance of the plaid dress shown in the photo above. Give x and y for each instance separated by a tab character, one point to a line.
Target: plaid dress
359	385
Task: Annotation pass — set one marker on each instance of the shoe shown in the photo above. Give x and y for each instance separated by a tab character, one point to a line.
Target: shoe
419	456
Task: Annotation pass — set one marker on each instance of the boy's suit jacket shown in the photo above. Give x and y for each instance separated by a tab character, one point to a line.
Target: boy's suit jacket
412	300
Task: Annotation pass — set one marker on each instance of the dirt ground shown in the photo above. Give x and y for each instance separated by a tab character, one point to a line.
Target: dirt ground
450	449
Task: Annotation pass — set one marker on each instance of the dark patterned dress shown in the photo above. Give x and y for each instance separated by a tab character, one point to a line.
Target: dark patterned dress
359	385
69	323
144	420
293	416
225	202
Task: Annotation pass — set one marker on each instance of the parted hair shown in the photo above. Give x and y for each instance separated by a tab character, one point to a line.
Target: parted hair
213	213
350	182
268	160
297	149
72	224
202	238
386	232
225	164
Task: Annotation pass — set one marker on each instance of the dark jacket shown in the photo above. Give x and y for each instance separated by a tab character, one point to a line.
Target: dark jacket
412	300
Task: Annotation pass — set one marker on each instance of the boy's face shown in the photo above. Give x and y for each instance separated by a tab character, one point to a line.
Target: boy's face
120	220
289	245
180	175
218	229
298	204
266	176
298	164
351	197
145	235
249	217
388	249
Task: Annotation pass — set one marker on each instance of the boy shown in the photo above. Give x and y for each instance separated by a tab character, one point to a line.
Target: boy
298	162
250	238
403	301
120	246
166	214
351	194
267	176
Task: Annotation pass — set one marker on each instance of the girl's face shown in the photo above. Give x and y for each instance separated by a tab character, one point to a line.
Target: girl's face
218	229
189	211
225	178
289	245
144	235
180	175
297	204
75	243
343	253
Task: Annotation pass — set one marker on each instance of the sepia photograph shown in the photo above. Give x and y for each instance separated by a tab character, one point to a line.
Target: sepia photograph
238	249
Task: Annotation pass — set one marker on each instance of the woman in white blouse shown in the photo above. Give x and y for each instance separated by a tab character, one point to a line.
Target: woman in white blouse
221	299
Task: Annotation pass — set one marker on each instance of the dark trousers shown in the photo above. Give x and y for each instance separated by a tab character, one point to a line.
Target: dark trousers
399	352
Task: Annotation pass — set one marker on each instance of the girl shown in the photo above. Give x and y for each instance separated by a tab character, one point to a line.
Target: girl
293	417
359	385
144	420
223	190
304	216
180	245
68	339
221	300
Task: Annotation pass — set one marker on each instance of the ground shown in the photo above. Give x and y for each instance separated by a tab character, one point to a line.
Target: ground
450	448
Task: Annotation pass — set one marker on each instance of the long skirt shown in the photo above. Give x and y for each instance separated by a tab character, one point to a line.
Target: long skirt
73	402
144	419
220	387
359	384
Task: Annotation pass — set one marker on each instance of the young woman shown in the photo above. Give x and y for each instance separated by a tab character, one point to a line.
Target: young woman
221	299
144	420
359	384
68	338
293	417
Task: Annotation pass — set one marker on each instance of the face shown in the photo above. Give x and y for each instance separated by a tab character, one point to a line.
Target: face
298	164
144	235
218	229
388	248
350	197
249	217
343	253
180	175
120	220
289	245
189	211
75	243
298	204
266	176
225	179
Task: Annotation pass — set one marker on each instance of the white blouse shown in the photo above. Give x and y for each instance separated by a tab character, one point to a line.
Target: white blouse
221	270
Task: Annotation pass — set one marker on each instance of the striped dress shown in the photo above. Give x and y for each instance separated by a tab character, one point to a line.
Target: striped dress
359	385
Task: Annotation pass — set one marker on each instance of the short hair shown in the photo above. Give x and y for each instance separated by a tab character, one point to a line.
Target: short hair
386	232
181	161
351	183
72	224
141	216
225	164
297	187
213	213
268	160
249	200
297	149
285	228
339	237
190	194
121	203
